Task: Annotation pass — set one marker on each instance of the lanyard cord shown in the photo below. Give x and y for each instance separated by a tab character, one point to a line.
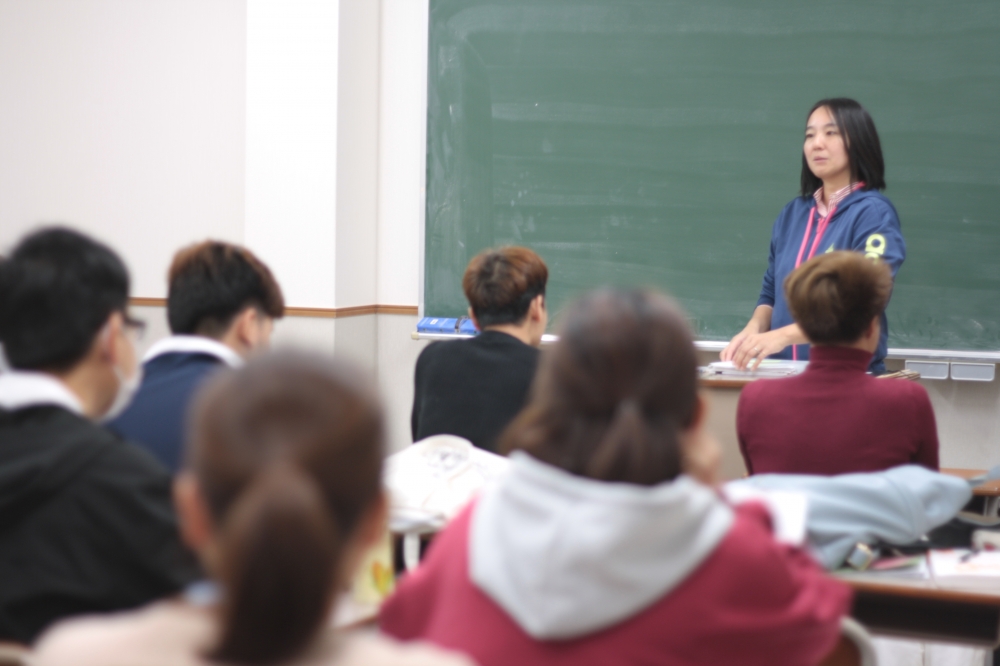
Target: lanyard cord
820	230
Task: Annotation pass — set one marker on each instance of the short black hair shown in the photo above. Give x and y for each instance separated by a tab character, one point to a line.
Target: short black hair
864	150
57	289
211	282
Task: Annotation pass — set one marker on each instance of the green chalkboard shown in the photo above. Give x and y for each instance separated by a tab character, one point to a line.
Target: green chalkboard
654	142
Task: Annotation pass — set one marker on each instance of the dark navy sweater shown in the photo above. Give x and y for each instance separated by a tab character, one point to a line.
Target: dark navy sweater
865	221
157	416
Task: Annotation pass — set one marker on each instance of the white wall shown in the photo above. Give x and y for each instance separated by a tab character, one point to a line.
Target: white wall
125	119
402	165
291	144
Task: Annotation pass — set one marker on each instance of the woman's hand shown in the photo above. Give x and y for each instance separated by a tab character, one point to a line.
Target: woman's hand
755	347
759	322
734	345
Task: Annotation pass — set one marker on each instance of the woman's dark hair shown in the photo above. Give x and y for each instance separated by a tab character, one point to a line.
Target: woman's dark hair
57	289
834	297
212	282
613	396
864	150
500	284
288	453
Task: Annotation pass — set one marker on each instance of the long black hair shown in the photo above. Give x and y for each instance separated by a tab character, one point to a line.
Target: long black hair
864	150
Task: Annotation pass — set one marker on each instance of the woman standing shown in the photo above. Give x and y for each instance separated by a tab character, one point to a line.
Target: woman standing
840	208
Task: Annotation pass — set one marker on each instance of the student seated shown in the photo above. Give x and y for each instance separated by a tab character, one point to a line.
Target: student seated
221	303
605	543
834	418
281	498
86	521
474	388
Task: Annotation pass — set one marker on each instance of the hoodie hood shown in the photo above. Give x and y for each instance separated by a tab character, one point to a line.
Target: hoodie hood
45	441
566	556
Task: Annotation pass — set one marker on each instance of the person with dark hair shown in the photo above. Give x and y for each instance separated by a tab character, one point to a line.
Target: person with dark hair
86	523
474	388
834	418
840	207
605	542
221	305
281	497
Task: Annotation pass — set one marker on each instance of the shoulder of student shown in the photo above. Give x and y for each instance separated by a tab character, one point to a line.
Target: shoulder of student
377	650
160	633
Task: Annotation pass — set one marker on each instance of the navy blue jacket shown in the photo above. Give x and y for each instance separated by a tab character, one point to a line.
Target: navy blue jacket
865	221
157	415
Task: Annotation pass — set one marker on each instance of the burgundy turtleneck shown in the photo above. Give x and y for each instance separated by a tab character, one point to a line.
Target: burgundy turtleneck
834	419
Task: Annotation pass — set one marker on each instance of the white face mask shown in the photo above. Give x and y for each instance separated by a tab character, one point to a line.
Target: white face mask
127	386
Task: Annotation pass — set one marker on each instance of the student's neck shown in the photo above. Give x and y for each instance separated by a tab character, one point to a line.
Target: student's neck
834	185
83	381
863	344
520	331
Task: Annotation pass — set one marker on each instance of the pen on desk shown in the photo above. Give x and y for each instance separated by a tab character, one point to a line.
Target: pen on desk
969	555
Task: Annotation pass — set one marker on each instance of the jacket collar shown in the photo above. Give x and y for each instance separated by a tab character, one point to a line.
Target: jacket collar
824	357
194	344
22	389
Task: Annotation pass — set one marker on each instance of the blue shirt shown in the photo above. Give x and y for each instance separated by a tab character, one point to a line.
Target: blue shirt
865	221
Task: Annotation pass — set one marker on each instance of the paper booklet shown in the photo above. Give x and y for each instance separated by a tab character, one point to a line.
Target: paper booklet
767	368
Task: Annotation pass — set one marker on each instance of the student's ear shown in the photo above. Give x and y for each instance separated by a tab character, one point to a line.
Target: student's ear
107	343
192	511
372	527
475	322
700	452
536	310
250	330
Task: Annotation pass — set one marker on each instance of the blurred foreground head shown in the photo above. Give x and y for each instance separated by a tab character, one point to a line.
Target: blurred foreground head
616	398
281	495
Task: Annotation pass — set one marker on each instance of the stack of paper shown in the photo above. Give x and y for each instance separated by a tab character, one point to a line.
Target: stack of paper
966	568
767	368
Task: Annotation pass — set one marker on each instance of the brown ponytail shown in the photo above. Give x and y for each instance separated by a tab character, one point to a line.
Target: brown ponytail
279	545
288	454
612	397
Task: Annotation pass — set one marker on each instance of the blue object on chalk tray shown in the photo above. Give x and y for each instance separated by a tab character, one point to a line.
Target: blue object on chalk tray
437	325
466	326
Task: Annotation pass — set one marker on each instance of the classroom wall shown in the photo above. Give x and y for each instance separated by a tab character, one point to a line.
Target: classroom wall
296	126
125	119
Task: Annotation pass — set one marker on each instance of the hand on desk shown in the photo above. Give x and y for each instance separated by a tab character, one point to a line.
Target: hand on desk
749	347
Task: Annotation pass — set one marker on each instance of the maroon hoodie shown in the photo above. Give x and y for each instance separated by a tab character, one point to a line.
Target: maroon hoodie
751	601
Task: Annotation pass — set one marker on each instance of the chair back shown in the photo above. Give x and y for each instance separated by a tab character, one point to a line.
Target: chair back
855	647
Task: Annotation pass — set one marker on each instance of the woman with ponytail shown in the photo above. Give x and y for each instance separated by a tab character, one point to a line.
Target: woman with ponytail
280	498
606	543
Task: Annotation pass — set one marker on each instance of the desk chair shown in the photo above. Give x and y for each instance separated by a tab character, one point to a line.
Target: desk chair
855	647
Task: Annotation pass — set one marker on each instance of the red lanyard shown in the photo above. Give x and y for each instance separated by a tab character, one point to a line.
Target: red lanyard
820	230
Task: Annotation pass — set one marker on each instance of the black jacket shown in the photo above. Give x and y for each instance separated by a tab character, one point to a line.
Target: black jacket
86	522
472	388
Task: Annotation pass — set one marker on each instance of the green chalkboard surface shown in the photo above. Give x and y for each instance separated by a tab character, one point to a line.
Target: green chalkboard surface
654	142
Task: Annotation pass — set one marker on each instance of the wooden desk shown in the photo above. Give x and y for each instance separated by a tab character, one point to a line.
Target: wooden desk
924	610
988	489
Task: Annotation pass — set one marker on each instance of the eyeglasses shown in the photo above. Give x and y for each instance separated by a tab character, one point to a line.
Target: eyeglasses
135	327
